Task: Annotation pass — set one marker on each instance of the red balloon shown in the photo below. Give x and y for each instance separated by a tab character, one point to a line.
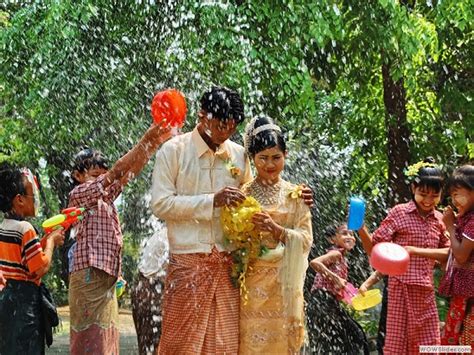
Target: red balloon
389	258
169	107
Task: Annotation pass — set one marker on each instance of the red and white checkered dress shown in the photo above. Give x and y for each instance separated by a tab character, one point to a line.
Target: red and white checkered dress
98	235
340	268
458	282
412	318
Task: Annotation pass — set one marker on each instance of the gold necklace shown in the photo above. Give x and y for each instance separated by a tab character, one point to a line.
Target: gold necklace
265	194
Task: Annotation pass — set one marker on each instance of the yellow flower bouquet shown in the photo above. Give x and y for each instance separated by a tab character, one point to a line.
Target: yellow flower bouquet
240	234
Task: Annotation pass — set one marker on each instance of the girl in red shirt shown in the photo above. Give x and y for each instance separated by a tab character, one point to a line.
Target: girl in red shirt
412	316
458	281
334	330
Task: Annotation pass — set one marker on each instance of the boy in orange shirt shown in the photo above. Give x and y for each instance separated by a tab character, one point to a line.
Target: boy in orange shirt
23	262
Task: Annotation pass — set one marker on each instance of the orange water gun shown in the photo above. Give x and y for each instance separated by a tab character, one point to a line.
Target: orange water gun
63	220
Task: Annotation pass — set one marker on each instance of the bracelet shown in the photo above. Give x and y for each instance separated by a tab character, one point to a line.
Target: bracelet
282	236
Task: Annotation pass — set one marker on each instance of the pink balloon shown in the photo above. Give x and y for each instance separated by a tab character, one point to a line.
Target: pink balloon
389	258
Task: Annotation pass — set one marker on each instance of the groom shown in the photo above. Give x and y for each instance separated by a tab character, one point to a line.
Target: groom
195	175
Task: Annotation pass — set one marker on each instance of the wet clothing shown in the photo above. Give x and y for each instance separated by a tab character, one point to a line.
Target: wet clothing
187	174
21	253
459	279
147	293
412	316
201	303
21	323
272	318
405	226
458	282
340	268
94	312
27	311
96	268
200	306
453	326
414	290
147	296
334	330
98	234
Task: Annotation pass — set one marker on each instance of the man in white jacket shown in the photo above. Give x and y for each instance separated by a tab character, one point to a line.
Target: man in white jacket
195	175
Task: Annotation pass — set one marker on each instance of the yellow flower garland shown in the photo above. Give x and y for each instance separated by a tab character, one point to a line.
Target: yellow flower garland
240	233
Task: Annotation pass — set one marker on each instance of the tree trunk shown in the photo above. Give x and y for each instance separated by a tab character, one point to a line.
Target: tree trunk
398	149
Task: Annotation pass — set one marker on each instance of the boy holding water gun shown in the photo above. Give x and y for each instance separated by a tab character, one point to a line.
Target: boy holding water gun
24	260
97	256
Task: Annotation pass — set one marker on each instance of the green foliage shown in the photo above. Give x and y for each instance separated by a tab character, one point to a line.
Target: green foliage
130	255
76	73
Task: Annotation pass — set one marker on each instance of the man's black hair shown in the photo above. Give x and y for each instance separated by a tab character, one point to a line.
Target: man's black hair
224	104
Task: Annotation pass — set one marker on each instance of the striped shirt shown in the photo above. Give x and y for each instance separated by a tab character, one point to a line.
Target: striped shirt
99	236
21	254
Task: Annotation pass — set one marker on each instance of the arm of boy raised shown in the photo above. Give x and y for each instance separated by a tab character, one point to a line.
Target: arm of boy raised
129	165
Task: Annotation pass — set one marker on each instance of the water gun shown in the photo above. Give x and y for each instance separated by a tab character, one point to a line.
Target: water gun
120	287
63	220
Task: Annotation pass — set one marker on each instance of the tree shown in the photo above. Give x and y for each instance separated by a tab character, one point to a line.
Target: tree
378	84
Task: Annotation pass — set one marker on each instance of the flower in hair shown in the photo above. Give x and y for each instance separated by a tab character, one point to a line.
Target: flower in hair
413	170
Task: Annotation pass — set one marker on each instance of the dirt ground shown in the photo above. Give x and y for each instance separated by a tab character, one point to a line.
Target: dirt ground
128	336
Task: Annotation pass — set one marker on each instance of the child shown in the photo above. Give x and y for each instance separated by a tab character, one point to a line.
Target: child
272	320
87	160
412	316
23	262
97	255
458	281
335	331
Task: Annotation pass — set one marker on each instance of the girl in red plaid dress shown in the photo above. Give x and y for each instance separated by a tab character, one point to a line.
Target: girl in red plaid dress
458	282
334	330
412	316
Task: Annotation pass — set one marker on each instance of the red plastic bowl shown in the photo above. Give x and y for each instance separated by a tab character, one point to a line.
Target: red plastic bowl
169	107
389	258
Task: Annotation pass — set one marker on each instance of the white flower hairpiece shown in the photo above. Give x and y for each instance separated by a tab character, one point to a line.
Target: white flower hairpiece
266	127
251	132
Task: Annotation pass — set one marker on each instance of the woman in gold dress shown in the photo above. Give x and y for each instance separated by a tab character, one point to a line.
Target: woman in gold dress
272	317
